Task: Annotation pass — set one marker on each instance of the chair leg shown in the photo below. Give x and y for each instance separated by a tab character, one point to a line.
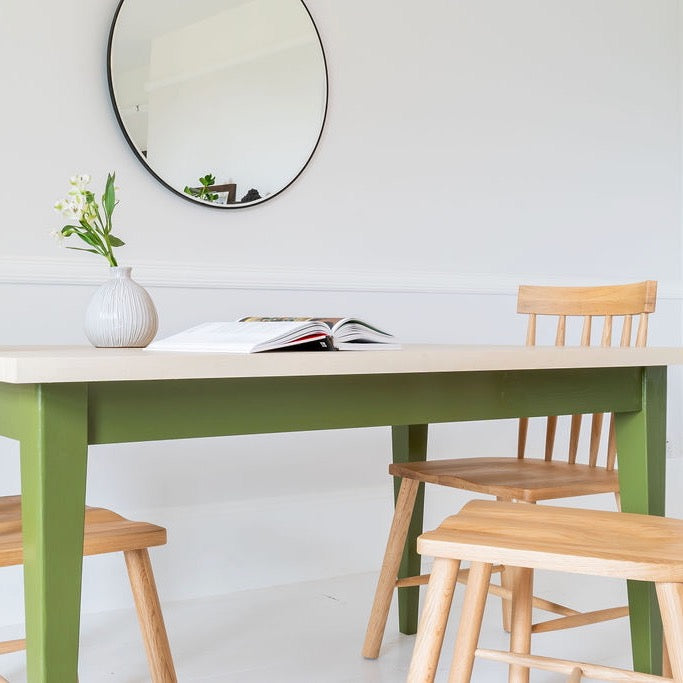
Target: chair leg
403	513
470	623
575	676
520	635
149	616
433	621
507	582
670	597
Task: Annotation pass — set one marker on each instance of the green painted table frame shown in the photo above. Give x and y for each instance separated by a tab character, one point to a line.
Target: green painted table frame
55	423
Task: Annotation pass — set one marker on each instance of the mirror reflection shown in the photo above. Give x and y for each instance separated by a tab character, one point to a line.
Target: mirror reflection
224	100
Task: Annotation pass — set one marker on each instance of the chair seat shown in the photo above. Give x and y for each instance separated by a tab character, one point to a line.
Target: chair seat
527	479
105	532
572	540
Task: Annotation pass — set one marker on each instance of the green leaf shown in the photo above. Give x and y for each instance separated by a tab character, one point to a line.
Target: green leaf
115	241
92	251
109	196
90	239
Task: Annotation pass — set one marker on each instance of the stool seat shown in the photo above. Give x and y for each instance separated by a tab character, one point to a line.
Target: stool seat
572	540
529	537
105	532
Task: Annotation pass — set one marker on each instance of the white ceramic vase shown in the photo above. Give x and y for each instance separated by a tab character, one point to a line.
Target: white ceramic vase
121	313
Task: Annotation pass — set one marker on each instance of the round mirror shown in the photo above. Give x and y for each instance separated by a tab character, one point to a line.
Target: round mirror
223	101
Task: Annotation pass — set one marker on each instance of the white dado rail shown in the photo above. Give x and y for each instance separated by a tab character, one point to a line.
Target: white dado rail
206	276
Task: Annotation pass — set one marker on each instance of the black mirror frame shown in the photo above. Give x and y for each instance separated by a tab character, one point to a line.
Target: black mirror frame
220	207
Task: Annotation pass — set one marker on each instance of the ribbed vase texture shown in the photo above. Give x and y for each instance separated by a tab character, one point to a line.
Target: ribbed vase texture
121	313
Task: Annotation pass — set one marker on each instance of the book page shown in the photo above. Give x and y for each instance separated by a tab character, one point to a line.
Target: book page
239	337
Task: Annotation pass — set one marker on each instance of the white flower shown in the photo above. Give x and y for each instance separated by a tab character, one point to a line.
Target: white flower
57	236
72	207
80	181
77	194
88	221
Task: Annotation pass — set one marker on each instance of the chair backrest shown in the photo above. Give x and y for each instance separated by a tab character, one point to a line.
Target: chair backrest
586	303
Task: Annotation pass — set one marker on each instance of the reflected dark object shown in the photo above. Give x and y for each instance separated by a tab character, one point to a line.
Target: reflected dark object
251	196
237	86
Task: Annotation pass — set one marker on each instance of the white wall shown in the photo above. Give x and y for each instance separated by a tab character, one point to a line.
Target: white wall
469	146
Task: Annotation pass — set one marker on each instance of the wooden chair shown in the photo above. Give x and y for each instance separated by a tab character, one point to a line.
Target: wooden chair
521	478
528	537
106	532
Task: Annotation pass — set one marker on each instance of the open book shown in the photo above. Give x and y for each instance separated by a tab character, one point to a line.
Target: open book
345	333
254	334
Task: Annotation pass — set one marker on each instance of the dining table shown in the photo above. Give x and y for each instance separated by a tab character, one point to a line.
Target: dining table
58	400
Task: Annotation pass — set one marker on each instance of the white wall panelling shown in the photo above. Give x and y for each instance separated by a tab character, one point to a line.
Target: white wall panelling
181	274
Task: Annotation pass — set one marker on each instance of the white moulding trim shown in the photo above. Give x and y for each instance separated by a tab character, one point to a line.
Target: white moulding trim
206	276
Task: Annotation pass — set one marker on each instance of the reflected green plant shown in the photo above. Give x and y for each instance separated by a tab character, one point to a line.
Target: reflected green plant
203	192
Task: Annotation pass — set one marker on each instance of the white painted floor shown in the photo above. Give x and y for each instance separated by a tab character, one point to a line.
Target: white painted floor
312	633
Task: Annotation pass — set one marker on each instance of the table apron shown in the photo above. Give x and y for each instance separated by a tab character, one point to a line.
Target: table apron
174	409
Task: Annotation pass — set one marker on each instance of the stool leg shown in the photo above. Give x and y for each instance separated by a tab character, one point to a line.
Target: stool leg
506	605
470	623
666	664
670	597
149	616
392	560
520	635
433	621
506	574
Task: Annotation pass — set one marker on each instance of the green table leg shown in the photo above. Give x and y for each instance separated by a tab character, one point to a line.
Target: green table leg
641	444
53	472
409	443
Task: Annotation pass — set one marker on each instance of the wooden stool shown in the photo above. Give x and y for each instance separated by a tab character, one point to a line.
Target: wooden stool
528	537
106	532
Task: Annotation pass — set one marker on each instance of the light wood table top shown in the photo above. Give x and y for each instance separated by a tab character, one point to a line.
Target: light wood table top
49	364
